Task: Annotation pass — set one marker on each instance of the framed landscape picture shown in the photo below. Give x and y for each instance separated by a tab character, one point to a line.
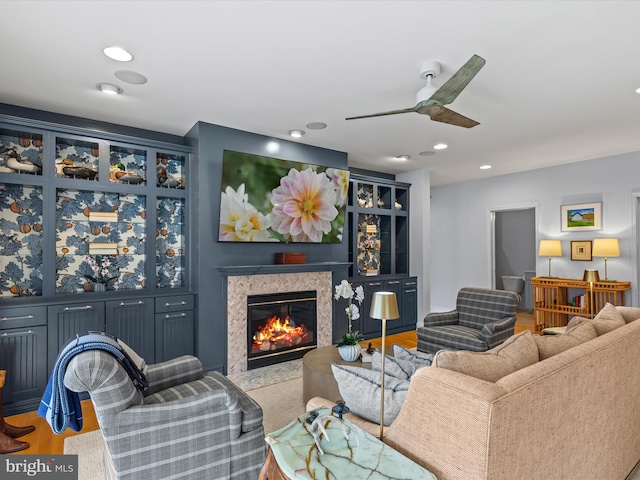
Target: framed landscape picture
581	218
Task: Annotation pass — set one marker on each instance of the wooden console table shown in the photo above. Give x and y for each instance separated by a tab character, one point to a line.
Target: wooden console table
552	304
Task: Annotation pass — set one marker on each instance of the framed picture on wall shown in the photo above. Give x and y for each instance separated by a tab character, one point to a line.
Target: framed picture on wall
581	218
581	250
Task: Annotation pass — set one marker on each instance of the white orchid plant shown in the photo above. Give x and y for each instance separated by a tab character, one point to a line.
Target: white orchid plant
345	290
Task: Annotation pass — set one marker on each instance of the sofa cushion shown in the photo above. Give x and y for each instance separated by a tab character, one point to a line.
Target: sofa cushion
360	389
420	359
550	345
518	351
607	319
403	363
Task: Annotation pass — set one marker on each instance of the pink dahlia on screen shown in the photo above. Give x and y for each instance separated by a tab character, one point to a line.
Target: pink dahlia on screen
340	179
239	220
303	206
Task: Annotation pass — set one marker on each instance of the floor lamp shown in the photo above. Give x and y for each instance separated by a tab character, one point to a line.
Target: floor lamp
591	276
384	306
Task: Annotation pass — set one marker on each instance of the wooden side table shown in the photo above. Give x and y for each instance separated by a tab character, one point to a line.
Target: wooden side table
293	454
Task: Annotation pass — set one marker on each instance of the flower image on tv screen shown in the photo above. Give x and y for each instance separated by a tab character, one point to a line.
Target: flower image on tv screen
266	199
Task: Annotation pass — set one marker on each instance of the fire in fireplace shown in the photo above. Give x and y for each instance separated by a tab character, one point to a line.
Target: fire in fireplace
282	326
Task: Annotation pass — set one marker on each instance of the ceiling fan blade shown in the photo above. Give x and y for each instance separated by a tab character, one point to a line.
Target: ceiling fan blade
443	114
448	92
392	112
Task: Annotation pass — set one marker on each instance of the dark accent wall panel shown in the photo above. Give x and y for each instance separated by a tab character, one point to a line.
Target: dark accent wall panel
209	142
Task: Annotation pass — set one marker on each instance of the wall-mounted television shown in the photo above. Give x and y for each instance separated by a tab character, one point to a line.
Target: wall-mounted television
265	199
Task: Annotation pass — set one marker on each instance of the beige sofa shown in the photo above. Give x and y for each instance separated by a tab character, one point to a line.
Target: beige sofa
574	415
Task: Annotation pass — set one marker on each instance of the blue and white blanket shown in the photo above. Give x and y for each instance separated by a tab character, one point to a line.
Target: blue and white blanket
61	406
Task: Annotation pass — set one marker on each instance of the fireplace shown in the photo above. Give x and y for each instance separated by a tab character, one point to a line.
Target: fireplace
241	285
281	327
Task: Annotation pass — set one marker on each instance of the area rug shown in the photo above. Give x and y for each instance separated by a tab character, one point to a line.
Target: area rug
281	403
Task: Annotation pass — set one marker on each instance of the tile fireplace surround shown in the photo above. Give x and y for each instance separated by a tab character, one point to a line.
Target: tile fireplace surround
241	286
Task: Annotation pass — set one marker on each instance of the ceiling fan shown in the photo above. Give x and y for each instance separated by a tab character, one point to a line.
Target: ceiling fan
431	100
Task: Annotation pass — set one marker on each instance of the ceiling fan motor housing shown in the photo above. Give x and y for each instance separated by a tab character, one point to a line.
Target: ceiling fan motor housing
428	70
429	67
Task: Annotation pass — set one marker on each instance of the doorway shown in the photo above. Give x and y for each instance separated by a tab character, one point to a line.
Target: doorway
514	247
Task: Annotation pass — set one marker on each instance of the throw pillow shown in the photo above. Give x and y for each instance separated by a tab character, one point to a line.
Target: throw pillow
360	390
518	351
420	359
550	345
607	319
396	367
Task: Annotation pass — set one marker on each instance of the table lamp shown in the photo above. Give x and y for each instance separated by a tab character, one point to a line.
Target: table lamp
606	247
384	306
591	276
550	248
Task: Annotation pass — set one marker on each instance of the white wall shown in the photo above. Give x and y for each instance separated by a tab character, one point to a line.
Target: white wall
419	238
460	251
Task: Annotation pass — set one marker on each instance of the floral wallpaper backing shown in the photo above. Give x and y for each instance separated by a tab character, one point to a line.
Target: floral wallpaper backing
20	240
20	152
368	261
170	243
74	233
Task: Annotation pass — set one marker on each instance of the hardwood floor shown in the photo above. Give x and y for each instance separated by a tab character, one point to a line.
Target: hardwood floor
44	441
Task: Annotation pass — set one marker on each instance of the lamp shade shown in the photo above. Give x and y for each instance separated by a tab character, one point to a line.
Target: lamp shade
384	305
591	276
606	247
550	248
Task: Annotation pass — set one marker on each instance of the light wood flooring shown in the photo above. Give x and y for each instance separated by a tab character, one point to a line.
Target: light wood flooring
43	441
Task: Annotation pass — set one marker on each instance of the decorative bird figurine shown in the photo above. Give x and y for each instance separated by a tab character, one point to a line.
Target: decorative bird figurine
14	162
398	205
380	203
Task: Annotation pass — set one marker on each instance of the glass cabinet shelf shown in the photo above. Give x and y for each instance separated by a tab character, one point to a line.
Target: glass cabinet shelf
127	165
21	234
77	159
123	260
170	170
20	152
378	226
170	243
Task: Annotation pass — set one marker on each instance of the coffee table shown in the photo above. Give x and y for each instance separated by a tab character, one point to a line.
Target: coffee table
293	454
317	377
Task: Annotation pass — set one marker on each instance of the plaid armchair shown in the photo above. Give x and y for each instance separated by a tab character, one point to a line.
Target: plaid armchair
483	319
186	425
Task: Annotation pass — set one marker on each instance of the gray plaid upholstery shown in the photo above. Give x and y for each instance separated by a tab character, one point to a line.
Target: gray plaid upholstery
483	319
187	425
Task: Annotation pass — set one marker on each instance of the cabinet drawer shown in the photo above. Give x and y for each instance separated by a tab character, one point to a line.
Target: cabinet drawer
174	303
18	317
410	283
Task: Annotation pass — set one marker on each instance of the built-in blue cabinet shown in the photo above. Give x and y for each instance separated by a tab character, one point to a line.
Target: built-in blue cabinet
93	236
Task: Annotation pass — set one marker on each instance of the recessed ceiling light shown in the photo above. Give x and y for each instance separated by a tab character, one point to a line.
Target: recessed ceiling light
316	125
427	153
296	133
637	90
273	147
403	157
129	76
440	146
485	167
117	53
109	88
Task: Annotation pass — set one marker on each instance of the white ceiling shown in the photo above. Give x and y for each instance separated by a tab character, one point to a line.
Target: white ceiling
558	86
